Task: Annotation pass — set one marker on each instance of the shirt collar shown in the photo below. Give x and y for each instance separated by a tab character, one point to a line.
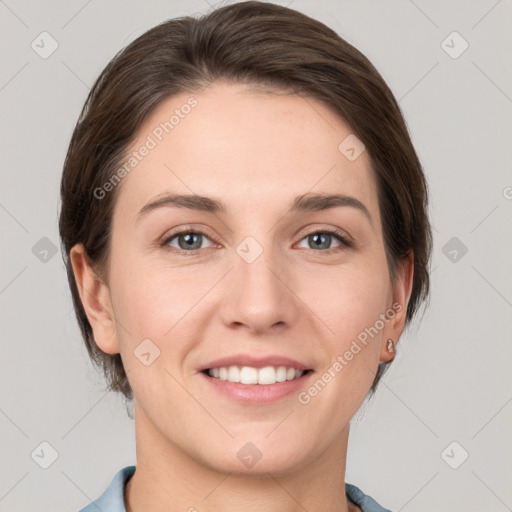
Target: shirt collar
112	500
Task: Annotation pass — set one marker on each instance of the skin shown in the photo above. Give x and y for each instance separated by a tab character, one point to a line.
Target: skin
256	152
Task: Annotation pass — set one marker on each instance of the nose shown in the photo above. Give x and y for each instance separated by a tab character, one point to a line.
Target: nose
259	294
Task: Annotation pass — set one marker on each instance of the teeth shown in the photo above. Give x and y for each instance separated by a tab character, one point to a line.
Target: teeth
233	374
250	375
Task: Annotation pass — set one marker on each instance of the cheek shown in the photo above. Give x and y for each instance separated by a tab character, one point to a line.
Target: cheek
139	298
153	304
149	303
160	302
349	300
351	309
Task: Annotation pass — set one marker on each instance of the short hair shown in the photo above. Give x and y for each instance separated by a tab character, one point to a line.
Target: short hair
259	44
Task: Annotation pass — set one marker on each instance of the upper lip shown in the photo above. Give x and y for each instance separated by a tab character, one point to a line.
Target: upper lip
255	362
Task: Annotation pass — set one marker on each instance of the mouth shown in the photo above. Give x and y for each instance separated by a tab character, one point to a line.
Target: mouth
256	386
249	375
253	379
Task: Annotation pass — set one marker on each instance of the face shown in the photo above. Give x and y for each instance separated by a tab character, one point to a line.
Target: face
253	270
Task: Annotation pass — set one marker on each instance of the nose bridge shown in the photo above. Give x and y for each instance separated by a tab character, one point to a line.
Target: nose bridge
260	297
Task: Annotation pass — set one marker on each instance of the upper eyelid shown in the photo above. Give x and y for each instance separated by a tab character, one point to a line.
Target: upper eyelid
185	231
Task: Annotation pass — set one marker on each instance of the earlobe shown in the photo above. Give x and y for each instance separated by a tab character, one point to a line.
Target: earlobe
95	297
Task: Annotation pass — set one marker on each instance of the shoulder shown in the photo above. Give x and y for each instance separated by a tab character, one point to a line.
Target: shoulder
362	500
112	499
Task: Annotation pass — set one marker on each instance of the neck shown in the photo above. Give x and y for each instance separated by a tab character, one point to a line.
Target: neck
168	479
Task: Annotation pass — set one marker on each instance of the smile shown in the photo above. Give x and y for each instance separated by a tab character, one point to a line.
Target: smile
250	375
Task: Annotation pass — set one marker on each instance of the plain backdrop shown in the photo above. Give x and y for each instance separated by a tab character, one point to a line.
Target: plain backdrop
437	434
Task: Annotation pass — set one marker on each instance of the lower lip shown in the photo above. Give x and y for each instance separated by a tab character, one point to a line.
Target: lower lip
257	393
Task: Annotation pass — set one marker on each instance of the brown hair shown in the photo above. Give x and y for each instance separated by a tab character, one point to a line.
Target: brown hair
253	43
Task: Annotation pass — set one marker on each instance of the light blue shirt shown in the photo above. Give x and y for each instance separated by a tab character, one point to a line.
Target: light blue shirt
112	500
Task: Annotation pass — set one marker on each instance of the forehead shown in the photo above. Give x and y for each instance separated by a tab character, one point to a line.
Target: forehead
244	145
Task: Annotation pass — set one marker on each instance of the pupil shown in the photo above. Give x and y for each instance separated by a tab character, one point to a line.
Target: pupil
318	239
190	239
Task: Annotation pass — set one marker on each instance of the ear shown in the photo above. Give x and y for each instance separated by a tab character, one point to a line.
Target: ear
401	292
95	297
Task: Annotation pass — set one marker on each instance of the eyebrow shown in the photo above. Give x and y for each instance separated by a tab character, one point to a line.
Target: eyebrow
305	203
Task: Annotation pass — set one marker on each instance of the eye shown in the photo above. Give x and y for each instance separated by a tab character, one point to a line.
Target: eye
188	241
323	239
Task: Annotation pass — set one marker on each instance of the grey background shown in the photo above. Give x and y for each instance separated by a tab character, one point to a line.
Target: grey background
451	377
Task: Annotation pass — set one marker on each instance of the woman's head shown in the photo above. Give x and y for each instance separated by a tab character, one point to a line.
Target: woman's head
266	111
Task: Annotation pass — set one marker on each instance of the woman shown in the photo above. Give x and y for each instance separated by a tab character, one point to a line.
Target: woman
244	224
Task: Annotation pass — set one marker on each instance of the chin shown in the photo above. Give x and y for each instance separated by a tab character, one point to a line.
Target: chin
245	458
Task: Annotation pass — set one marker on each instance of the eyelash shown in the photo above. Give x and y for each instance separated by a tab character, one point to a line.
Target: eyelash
337	233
